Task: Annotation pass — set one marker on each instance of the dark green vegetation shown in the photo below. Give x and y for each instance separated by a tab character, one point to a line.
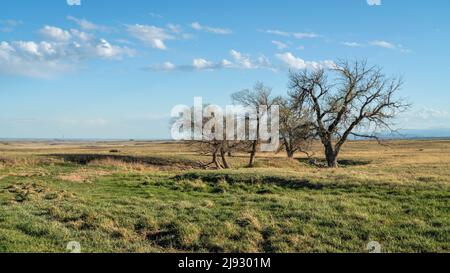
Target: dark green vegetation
114	205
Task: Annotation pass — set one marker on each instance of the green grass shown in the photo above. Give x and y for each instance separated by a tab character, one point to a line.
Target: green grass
44	205
226	213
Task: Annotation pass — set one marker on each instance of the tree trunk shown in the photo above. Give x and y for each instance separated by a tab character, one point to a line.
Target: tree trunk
226	165
215	161
251	163
287	146
290	154
331	156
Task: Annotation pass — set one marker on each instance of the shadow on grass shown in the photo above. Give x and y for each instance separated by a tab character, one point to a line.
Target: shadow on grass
84	159
342	163
285	182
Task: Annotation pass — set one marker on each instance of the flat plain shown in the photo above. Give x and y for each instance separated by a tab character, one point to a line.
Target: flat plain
137	196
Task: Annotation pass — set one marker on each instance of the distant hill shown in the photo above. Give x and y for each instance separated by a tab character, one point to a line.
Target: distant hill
428	133
440	133
401	134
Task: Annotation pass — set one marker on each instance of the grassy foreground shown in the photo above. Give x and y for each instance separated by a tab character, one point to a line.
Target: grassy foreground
152	197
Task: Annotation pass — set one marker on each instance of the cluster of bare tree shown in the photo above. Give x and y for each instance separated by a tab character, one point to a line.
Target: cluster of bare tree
330	105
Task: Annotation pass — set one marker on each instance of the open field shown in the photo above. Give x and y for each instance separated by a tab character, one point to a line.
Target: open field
154	197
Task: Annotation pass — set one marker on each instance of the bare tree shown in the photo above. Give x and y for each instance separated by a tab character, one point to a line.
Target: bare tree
260	95
210	143
213	144
296	129
217	149
350	99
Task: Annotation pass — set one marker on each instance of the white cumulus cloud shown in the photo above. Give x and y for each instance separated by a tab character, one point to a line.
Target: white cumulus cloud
293	62
151	35
380	44
241	60
201	63
389	45
383	44
297	35
352	44
280	45
238	61
277	32
86	25
55	33
215	30
303	35
59	52
106	50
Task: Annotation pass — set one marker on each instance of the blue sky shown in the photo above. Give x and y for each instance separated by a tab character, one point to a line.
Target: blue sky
115	69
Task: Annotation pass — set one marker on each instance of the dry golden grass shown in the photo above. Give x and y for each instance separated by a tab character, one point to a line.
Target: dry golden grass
153	197
124	166
401	161
84	175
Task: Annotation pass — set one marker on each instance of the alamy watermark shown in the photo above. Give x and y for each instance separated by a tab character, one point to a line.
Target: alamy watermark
73	247
236	123
373	247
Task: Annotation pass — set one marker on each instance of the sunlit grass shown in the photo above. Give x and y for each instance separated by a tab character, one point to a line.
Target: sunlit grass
397	195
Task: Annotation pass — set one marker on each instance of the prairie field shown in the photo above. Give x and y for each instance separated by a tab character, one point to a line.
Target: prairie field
156	197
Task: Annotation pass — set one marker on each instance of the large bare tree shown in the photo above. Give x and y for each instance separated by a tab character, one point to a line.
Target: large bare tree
352	98
259	96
